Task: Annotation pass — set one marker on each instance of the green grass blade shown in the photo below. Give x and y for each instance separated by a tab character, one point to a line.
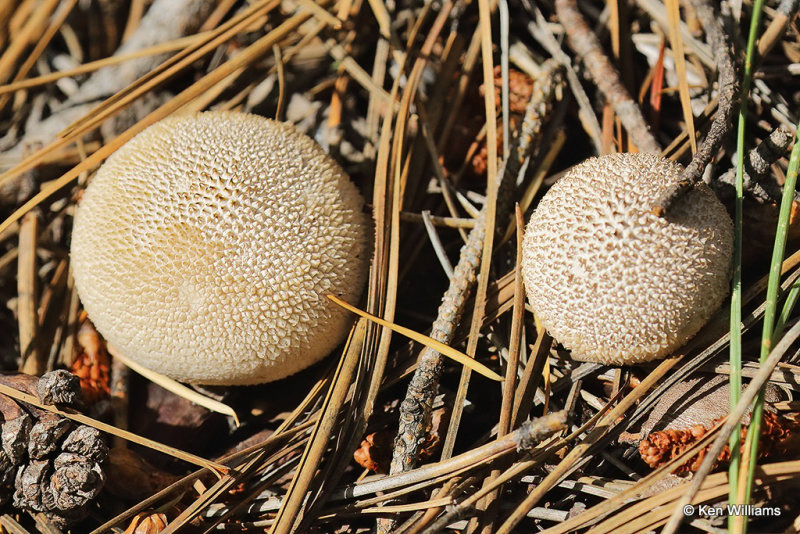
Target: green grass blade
788	307
735	356
770	334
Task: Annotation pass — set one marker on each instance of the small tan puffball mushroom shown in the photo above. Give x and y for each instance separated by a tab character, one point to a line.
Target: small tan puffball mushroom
614	283
205	247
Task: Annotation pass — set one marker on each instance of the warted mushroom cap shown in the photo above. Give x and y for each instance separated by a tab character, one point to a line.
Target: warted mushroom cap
204	248
614	283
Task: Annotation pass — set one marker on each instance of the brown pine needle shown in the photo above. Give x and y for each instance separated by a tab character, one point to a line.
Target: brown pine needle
438	346
175	387
214	467
170	46
673	10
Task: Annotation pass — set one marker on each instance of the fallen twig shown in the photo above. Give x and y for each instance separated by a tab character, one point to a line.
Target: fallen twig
416	407
729	89
588	47
756	178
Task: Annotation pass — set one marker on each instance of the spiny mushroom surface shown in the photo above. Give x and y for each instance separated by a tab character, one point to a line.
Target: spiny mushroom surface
614	283
203	249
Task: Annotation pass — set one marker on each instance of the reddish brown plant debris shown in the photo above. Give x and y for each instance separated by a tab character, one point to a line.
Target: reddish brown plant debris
794	221
440	419
131	477
147	523
520	87
780	436
375	452
238	489
92	365
478	163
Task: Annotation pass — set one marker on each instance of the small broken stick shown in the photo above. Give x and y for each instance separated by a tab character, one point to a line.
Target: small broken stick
757	180
415	410
723	120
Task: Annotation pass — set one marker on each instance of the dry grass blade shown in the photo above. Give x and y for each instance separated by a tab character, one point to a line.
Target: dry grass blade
438	346
28	298
538	179
436	242
676	39
489	214
728	101
170	68
276	51
523	398
358	74
615	502
51	30
171	46
416	407
653	511
134	18
246	56
384	20
318	442
736	414
586	44
245	461
545	450
224	484
320	13
10	525
509	385
175	386
520	441
514	344
380	294
164	71
248	457
130	436
26	36
611	419
401	508
437	220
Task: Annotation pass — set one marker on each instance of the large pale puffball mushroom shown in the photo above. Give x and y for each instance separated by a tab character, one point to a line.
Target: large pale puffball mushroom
205	247
614	283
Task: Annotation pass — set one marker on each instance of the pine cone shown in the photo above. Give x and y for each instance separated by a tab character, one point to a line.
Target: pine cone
48	463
